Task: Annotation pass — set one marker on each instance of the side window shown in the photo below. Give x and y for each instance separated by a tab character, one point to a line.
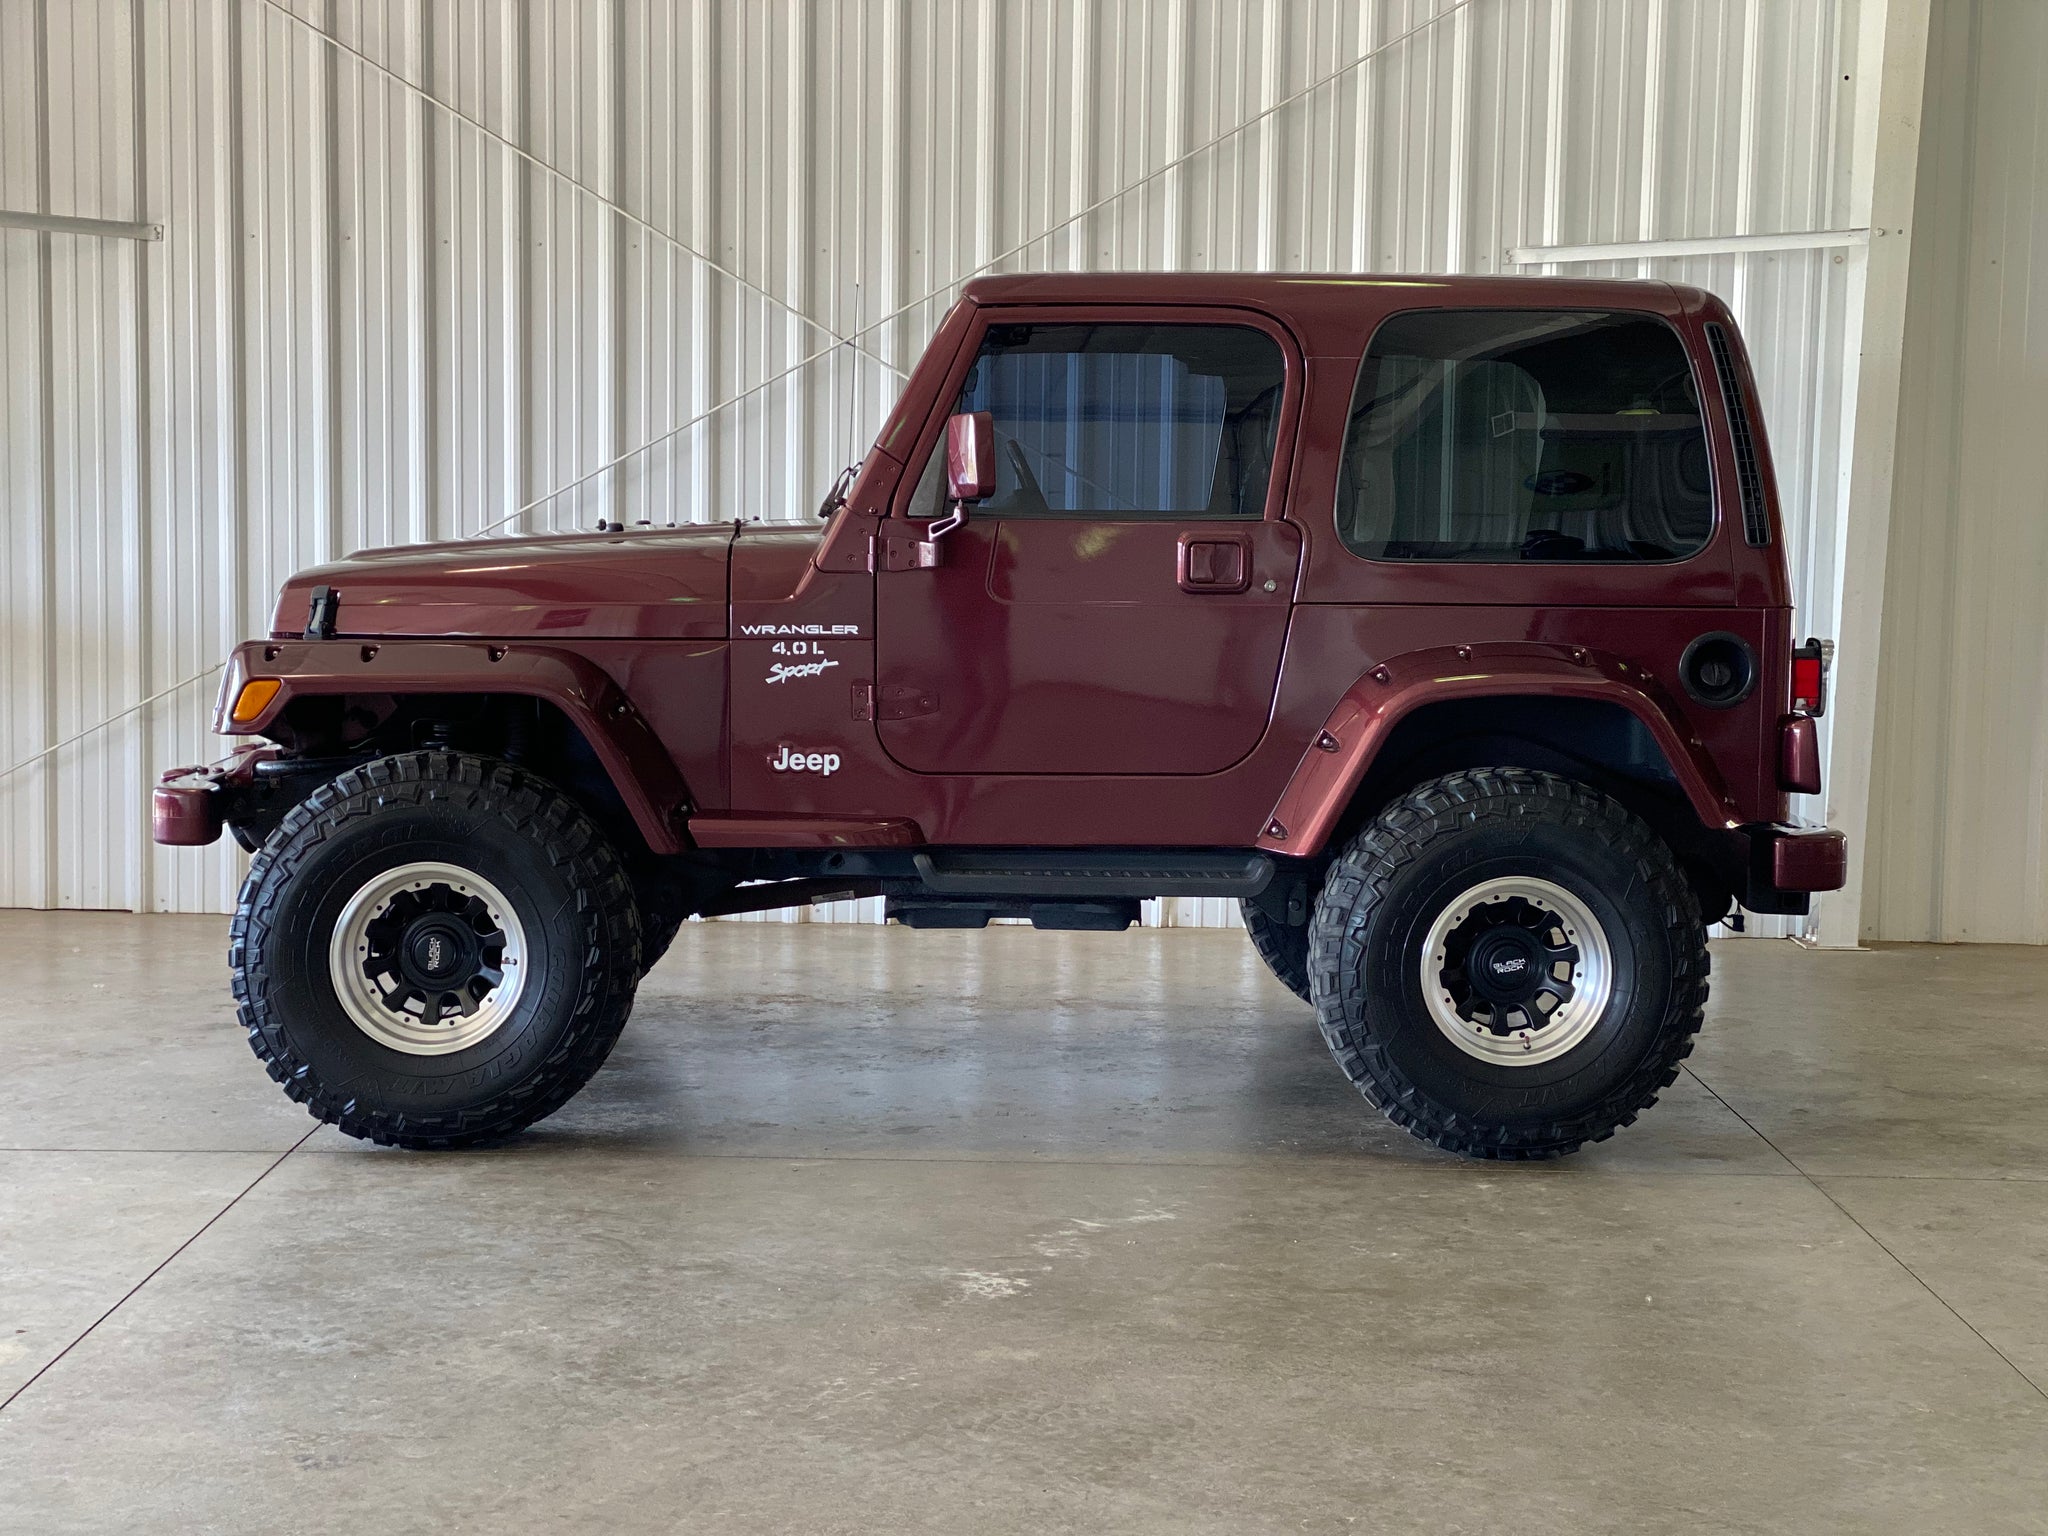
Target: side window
1123	421
1503	435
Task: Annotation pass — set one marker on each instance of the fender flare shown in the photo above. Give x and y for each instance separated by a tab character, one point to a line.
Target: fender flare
1342	752
639	766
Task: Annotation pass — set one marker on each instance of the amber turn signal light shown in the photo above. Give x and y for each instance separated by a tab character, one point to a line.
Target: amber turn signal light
254	698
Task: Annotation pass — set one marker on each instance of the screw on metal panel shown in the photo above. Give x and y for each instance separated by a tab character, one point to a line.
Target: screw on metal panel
1579	656
1464	653
1275	831
1326	742
1382	675
369	653
1272	585
495	652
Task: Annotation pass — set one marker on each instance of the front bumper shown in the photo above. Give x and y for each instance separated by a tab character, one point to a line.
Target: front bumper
190	805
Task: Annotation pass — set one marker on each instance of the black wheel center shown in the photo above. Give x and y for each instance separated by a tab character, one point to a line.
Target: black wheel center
1507	965
435	951
438	950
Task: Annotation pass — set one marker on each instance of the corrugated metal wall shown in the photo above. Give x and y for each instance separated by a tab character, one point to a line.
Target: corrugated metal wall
435	275
1959	803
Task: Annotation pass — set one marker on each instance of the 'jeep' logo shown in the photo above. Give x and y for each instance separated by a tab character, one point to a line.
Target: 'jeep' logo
786	761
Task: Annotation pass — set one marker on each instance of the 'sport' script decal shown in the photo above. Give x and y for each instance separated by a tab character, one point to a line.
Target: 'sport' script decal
782	672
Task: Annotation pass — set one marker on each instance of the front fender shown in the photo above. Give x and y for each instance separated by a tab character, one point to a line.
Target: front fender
1336	762
640	767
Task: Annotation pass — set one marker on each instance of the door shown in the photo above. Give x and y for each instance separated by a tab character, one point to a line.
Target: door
1119	606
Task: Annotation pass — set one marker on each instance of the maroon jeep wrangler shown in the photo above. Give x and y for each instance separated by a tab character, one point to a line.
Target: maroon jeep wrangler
1441	621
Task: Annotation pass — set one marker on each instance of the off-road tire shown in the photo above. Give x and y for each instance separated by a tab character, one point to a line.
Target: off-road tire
662	916
1283	946
557	869
1409	865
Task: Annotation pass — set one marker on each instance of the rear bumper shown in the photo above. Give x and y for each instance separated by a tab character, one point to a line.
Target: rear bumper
1788	864
1809	859
190	805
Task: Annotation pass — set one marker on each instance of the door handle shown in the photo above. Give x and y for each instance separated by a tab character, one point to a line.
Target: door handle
1211	562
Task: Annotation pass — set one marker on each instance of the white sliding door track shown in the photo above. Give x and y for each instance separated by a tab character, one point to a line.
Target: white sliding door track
65	224
1707	245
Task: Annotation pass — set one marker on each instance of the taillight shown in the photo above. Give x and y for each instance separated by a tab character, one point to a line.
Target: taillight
1799	755
1810	676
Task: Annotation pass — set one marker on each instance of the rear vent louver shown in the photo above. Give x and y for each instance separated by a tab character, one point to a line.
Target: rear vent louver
1756	518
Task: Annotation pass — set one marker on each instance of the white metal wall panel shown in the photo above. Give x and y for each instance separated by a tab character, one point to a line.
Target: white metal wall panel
434	275
1959	803
24	666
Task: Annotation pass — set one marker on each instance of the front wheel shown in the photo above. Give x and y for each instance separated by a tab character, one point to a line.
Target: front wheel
434	950
1508	964
662	915
1283	946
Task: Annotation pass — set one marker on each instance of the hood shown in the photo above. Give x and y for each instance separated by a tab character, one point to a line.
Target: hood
769	560
651	583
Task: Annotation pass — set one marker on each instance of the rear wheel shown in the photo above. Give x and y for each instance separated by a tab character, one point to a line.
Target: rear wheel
1508	964
434	950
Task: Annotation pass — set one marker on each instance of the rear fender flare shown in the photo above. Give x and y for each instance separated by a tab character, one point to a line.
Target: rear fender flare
639	766
1342	752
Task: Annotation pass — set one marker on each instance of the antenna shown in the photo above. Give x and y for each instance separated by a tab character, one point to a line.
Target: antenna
853	381
836	497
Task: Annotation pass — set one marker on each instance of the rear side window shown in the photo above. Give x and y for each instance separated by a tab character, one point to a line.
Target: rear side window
1123	421
1507	435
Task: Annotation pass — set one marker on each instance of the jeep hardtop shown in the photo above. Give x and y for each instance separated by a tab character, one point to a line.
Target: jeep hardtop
1443	622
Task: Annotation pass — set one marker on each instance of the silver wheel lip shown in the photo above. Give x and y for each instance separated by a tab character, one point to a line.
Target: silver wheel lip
1565	1028
365	1006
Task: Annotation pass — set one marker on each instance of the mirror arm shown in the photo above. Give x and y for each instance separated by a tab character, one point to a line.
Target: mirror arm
938	529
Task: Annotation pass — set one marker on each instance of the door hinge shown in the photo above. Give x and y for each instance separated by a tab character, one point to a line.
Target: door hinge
892	701
901	552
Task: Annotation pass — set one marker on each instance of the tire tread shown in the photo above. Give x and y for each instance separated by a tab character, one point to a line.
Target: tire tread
1284	948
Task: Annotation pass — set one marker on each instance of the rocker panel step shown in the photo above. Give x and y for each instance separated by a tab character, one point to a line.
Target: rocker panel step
1109	916
1050	872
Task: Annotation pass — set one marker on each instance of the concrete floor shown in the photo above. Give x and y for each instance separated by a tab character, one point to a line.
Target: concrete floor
867	1230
